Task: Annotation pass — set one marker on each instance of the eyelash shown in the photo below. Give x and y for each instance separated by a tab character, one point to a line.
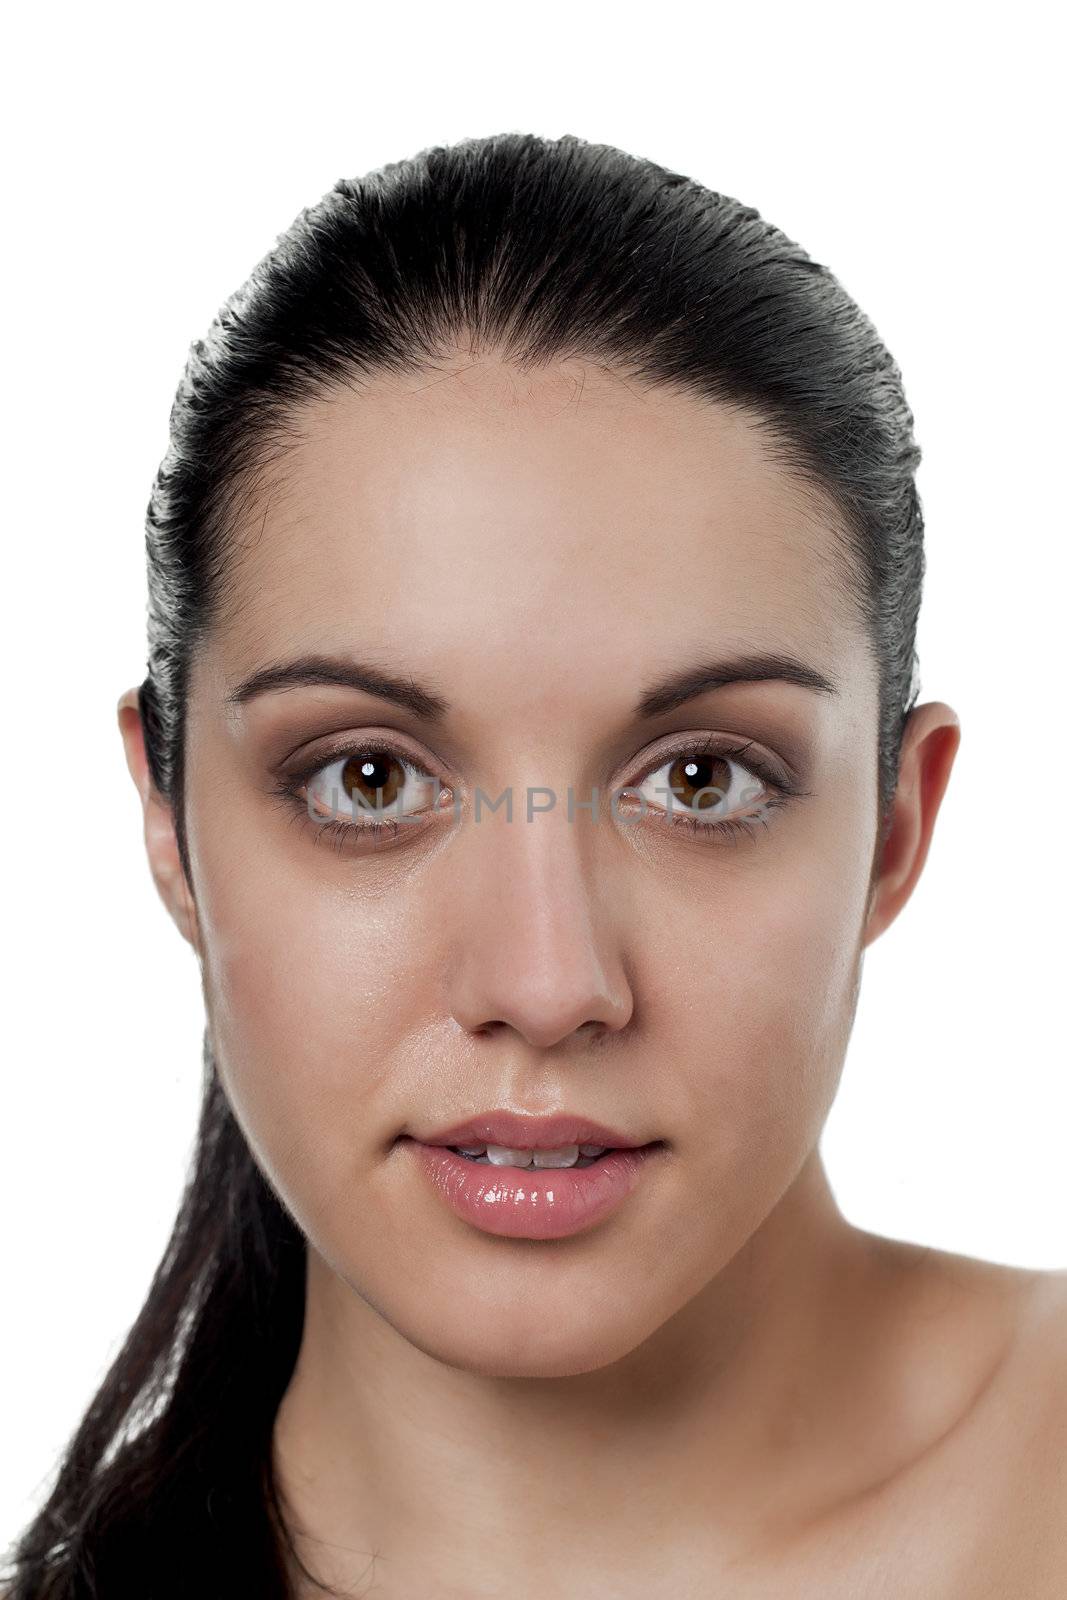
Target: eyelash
733	828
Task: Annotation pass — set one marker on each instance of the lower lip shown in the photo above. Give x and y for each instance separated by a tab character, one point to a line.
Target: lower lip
533	1202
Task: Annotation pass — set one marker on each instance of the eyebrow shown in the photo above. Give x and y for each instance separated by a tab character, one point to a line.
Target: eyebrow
665	695
754	667
313	670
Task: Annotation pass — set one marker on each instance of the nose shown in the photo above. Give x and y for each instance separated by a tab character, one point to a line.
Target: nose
533	946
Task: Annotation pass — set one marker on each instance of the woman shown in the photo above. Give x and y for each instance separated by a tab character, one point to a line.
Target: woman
530	752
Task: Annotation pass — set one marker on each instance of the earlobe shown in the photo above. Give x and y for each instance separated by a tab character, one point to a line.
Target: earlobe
161	842
931	740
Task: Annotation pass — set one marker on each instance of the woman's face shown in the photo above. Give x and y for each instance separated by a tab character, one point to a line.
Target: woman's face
538	552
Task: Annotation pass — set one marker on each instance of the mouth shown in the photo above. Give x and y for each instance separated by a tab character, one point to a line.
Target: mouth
536	1193
529	1135
572	1157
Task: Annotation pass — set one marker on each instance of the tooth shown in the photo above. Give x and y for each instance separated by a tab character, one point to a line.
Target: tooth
564	1157
592	1149
501	1156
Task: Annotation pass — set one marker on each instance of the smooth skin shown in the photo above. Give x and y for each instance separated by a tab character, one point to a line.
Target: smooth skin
725	1387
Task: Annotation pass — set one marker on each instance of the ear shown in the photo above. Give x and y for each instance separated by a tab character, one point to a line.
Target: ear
931	739
160	838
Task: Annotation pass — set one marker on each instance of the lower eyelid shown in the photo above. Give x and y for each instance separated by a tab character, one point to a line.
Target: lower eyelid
747	823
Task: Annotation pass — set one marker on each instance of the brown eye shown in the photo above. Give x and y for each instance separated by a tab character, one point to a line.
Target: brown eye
374	779
699	781
703	785
368	781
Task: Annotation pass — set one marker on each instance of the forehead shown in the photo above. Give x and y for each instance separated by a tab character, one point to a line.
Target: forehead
565	514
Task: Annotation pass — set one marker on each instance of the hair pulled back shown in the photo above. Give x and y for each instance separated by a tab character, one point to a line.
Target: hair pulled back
537	249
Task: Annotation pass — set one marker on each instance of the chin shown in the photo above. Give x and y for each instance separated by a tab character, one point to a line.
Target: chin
531	1341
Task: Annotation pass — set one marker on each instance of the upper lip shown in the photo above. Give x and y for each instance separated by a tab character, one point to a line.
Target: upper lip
514	1131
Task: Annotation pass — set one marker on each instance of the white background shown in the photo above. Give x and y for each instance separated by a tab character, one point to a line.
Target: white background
153	156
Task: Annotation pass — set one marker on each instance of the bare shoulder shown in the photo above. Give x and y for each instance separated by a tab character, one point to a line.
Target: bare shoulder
1043	1333
1037	1390
995	1338
1007	1457
1029	1307
1050	1291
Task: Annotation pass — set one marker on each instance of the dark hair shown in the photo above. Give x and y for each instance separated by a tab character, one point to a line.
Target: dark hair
538	249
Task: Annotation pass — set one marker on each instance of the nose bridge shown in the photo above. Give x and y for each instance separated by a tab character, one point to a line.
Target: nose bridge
533	944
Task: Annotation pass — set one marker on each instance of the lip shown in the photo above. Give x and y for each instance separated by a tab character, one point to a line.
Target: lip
534	1202
514	1131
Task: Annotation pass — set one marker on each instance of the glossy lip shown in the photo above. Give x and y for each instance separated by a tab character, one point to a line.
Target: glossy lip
533	1202
515	1131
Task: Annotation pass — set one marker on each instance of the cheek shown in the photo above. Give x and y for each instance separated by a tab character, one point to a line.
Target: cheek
757	1017
306	994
